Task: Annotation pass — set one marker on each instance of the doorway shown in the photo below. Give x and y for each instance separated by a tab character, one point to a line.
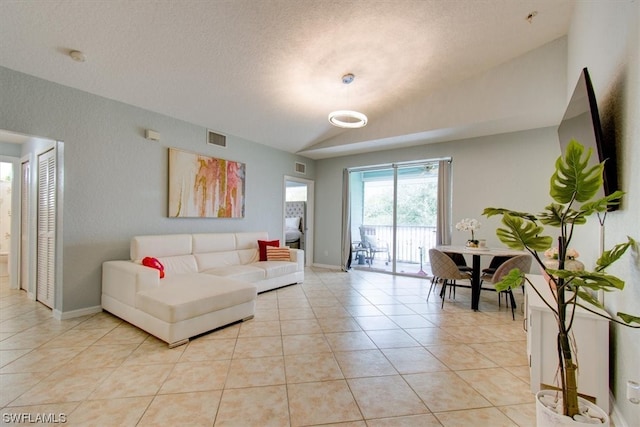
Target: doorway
298	212
35	256
6	183
394	211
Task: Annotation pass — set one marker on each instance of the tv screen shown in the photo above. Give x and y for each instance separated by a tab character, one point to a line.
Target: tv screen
581	122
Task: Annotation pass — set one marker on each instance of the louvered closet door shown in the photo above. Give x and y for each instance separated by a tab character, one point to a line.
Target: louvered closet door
24	225
46	228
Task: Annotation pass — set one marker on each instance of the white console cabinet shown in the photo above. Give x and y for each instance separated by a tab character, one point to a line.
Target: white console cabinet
591	335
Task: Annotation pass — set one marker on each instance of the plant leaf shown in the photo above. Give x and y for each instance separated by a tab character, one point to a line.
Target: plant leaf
594	280
573	178
522	233
552	215
587	297
628	318
489	212
602	204
609	257
514	279
556	215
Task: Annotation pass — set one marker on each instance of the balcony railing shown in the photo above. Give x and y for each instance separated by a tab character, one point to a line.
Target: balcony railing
409	240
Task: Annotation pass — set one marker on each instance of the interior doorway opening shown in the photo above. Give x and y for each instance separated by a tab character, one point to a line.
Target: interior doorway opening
6	183
34	202
298	215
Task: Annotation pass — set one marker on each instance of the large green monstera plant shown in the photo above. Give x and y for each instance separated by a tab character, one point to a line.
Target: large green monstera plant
574	187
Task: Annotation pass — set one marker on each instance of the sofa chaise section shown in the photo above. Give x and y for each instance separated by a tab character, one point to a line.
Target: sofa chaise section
211	280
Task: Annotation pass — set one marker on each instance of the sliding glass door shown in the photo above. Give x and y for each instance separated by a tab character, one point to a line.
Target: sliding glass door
417	196
372	213
394	216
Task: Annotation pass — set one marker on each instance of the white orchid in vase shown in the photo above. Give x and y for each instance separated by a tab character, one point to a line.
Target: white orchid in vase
469	224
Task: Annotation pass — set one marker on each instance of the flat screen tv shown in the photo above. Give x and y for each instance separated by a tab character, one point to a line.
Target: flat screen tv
581	122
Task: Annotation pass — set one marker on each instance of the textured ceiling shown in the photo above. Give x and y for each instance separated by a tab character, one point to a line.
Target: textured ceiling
270	71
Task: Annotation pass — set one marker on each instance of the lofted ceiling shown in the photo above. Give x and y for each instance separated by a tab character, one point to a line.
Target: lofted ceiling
270	71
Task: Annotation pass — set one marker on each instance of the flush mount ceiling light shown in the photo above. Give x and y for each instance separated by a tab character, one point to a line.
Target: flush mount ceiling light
347	118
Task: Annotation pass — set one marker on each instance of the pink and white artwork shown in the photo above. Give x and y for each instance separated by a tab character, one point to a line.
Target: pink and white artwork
205	187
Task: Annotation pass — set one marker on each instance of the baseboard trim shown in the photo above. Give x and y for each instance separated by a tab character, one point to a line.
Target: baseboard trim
57	314
327	266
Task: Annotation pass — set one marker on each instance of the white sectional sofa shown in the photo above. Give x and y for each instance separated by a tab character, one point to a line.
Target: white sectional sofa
211	280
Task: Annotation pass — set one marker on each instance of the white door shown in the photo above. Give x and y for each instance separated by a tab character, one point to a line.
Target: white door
25	185
45	270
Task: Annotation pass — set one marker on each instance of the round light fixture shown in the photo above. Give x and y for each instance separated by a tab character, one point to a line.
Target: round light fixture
347	119
77	56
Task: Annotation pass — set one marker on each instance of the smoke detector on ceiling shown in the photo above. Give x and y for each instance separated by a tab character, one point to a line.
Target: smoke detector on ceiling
77	56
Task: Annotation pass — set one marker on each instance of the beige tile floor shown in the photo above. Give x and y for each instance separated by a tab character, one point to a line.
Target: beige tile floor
350	349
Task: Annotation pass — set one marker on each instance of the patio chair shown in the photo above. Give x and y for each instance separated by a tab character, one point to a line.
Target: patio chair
373	245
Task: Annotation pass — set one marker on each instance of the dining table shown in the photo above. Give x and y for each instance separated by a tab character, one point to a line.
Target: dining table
476	253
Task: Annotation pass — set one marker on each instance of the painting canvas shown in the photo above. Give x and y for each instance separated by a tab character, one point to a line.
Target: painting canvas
205	187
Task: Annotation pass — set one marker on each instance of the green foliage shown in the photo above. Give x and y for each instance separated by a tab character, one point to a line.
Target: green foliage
573	182
602	204
514	279
609	257
417	203
521	234
489	212
556	215
627	318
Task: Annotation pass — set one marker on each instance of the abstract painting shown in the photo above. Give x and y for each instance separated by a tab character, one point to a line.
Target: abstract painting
205	187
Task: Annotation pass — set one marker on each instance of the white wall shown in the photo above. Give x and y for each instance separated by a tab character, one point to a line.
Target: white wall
604	37
509	170
116	182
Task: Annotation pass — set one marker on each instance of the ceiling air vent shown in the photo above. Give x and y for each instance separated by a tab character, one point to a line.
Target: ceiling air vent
216	139
301	168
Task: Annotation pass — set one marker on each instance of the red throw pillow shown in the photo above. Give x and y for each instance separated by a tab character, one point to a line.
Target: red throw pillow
154	263
262	247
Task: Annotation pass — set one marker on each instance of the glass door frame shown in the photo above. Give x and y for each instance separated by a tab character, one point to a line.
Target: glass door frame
395	167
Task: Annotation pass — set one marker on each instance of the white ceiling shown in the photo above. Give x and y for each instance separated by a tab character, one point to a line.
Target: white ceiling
270	70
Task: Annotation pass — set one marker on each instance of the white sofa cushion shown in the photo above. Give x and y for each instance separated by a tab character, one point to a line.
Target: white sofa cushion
249	273
160	246
250	240
207	261
214	242
178	300
179	264
277	268
248	256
